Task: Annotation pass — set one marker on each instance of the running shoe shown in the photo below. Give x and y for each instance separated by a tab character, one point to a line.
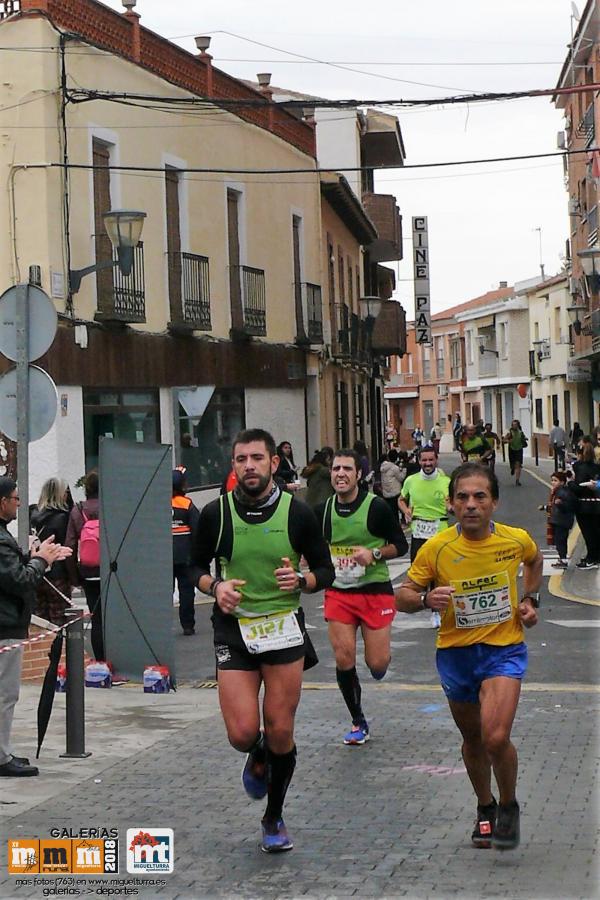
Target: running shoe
275	838
254	777
586	564
561	564
484	825
358	734
506	832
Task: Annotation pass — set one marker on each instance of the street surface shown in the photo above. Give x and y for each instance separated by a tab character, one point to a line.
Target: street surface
390	819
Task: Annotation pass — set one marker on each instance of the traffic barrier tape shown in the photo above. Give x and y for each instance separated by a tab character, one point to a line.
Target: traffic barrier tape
47	631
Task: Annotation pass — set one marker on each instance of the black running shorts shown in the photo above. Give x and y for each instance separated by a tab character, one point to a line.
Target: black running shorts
232	653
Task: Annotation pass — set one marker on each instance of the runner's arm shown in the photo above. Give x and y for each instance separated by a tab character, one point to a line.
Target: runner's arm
412	597
307	539
204	545
532	579
382	523
403	506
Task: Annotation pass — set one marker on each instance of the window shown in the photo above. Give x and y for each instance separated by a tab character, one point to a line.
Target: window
441	412
343	434
557	333
539	414
508	408
126	415
439	358
469	347
426	360
209	419
359	427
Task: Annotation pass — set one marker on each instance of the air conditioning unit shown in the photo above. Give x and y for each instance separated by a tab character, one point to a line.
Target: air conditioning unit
574	207
442	390
561	140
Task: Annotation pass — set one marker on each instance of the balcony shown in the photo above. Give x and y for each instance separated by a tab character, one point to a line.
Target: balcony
313	305
586	128
125	299
249	287
404	379
389	332
488	365
189	292
592	226
9	8
385	215
340	339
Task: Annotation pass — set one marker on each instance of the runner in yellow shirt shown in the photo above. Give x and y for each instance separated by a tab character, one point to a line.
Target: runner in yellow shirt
481	656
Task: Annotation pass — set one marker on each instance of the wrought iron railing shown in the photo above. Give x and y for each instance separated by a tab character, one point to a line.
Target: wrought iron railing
254	300
314	313
341	337
9	8
195	291
586	128
125	301
592	226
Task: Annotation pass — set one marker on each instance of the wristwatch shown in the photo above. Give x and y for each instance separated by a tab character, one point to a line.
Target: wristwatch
301	581
377	554
424	603
534	596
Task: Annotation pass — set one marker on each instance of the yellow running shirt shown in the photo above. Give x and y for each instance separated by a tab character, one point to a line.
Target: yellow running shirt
483	609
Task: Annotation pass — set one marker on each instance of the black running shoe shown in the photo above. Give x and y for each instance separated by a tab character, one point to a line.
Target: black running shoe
506	833
484	825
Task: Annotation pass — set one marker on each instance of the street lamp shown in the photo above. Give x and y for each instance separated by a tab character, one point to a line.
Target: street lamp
573	312
370	308
588	264
124	229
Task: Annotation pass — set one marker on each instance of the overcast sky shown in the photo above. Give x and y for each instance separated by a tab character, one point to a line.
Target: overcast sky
482	219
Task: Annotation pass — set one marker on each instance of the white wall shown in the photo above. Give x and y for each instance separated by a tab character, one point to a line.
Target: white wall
338	143
281	412
60	453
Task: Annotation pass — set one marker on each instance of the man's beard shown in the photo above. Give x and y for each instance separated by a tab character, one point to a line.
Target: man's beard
257	489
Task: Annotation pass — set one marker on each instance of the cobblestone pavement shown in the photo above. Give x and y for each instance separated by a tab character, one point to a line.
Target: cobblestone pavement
390	819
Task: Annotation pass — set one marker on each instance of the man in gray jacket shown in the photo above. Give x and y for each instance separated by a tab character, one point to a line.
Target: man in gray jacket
20	573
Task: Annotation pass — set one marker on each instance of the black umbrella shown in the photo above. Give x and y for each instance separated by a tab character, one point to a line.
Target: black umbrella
48	690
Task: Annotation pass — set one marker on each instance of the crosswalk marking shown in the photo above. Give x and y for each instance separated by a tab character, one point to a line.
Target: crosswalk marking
575	623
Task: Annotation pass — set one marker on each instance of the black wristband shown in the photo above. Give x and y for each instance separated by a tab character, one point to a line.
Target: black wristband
213	588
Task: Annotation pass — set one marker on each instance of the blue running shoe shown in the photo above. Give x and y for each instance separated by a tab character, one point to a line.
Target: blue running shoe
275	838
359	734
254	778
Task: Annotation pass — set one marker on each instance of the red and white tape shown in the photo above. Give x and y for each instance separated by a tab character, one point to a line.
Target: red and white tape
47	631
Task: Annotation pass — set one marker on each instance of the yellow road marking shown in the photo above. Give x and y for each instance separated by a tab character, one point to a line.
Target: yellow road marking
533	687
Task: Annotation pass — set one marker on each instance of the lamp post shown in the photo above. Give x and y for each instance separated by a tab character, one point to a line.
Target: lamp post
588	260
124	229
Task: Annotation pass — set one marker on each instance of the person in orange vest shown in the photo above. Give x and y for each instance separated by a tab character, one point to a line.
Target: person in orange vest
184	526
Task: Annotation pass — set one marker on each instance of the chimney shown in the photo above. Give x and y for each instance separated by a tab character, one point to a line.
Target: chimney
134	18
503	284
264	80
203	43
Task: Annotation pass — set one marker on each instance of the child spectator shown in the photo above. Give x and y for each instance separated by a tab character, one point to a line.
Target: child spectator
560	511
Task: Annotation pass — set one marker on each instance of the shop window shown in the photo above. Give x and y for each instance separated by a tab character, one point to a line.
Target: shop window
125	415
208	420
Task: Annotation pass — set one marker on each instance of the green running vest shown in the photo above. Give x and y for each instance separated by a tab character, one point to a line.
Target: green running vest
351	531
257	550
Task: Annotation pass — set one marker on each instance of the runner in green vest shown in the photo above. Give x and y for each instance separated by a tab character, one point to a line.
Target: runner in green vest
257	534
362	533
423	500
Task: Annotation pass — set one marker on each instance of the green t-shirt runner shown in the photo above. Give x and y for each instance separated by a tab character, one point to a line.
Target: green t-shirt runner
427	498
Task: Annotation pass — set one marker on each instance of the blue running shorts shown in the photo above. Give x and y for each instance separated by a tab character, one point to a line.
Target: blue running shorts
463	669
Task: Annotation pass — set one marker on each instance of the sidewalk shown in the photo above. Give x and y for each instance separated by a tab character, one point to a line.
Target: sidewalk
390	819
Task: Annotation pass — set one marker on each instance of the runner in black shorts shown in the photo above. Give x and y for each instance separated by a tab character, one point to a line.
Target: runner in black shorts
257	535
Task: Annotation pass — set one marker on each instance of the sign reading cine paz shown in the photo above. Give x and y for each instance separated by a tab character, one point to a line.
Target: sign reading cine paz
421	273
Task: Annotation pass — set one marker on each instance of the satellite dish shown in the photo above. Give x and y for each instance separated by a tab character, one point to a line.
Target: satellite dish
575	12
43	403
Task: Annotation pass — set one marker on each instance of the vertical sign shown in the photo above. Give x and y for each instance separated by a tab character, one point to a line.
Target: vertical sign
421	271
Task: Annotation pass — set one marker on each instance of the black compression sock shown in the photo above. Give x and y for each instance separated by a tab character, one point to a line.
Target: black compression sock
280	768
349	685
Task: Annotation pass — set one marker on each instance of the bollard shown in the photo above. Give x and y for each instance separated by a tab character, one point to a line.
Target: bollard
75	690
536	451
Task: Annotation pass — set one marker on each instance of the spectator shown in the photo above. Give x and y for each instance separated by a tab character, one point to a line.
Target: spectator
435	436
50	518
560	517
457	429
318	477
558	442
185	518
87	576
575	435
361	448
21	574
587	510
418	437
286	471
391	481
